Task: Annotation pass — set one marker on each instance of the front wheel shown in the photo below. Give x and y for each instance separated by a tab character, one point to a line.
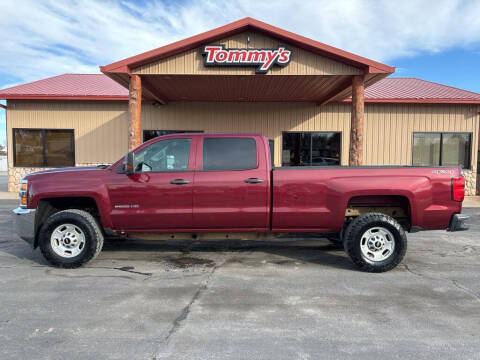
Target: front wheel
375	242
70	238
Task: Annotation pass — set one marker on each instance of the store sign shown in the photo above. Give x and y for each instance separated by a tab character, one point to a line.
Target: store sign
264	59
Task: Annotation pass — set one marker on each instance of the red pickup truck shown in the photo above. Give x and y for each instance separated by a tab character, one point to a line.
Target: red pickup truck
211	186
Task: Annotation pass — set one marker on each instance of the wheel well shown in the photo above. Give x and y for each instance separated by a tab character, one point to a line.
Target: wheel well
48	207
396	206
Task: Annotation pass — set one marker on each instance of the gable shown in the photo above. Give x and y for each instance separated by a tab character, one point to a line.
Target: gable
302	62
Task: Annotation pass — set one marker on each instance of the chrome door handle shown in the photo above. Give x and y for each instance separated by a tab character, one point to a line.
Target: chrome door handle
179	182
253	180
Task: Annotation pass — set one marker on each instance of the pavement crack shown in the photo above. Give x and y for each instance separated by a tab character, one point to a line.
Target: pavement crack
454	282
185	311
183	316
91	276
128	269
415	273
465	289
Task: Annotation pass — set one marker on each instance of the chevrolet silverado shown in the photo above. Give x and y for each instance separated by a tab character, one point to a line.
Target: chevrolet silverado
211	186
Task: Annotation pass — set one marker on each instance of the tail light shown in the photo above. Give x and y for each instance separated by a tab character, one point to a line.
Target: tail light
458	188
23	194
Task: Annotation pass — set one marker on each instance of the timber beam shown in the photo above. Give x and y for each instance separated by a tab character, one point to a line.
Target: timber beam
357	121
134	112
152	92
344	85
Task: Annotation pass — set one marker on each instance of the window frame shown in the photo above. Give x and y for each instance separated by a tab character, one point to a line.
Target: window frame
313	132
43	131
441	133
257	162
190	157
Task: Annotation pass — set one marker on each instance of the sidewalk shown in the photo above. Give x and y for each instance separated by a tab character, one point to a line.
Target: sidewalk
5	195
471	201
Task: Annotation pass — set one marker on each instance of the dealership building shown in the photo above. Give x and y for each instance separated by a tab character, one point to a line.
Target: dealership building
318	105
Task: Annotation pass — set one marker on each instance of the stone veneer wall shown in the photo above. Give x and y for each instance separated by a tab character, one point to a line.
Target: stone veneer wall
15	174
470	181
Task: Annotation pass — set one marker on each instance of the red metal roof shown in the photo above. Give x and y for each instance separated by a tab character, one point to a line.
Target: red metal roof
101	87
68	87
239	26
412	90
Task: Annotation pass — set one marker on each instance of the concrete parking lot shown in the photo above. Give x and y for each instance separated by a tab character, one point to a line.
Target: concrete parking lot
227	300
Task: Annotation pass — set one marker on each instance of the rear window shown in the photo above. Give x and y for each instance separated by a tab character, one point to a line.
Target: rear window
229	154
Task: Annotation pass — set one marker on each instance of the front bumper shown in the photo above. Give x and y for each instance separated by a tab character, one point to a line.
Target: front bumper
457	223
25	224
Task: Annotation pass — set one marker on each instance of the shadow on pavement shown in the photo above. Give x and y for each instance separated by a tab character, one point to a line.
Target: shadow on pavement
319	252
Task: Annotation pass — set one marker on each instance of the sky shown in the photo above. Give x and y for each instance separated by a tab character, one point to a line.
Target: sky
436	40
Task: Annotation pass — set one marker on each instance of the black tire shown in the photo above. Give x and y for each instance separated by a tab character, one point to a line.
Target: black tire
353	238
87	224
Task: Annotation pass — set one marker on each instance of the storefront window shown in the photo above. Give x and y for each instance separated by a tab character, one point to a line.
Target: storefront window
426	149
441	149
43	148
311	148
150	134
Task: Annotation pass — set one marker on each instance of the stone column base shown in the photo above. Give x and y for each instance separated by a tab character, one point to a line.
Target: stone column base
470	181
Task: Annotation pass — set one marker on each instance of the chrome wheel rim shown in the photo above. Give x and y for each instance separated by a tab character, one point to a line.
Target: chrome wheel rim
67	240
377	244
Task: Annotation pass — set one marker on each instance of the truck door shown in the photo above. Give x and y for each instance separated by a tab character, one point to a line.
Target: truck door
159	194
231	189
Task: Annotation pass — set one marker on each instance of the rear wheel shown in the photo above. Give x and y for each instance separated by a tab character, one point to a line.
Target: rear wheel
70	238
375	242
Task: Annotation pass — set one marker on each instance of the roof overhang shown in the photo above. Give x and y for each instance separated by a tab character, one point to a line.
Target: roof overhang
419	101
247	24
63	97
209	85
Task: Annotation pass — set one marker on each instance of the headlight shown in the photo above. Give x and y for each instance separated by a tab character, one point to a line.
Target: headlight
23	193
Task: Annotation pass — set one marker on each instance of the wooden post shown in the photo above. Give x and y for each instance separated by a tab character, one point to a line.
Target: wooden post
356	132
135	112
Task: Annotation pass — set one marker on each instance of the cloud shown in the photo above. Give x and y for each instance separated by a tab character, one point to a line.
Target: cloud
45	38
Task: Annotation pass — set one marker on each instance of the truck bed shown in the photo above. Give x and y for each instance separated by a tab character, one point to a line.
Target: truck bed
316	198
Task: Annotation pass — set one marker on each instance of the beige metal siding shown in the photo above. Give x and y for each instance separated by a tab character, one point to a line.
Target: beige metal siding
302	63
266	118
389	129
100	127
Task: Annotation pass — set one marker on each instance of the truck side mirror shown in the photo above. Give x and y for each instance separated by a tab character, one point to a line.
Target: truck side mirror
129	163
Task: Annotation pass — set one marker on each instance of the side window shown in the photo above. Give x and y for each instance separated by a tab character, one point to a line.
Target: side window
164	155
229	154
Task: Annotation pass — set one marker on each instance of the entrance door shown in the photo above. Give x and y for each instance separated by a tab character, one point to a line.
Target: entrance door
159	194
231	189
